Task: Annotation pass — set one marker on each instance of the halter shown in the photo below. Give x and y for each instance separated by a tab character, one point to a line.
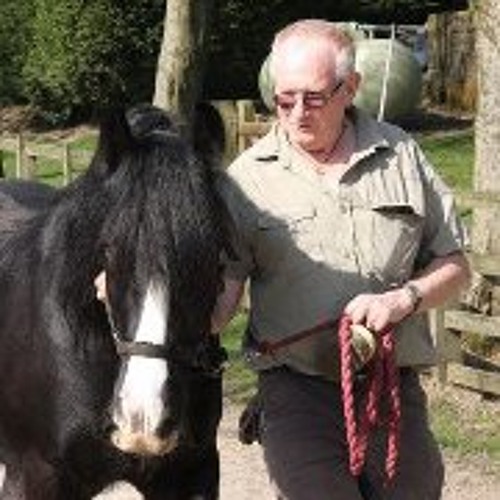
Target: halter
207	359
126	348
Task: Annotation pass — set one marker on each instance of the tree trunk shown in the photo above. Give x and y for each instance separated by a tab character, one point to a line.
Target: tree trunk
486	229
452	73
179	72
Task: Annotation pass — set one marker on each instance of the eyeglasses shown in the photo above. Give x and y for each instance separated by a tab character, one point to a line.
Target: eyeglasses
310	100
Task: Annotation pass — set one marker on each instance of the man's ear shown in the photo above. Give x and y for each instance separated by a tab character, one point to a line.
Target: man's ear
351	86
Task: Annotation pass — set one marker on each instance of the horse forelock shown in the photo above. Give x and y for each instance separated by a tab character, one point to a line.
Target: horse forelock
165	221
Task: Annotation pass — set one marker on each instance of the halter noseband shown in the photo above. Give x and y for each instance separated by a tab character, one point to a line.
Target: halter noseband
207	359
125	348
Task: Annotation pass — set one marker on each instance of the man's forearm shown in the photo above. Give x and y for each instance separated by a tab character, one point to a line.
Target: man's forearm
441	280
227	304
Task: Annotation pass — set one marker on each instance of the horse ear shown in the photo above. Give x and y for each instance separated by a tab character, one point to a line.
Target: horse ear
209	139
120	131
115	138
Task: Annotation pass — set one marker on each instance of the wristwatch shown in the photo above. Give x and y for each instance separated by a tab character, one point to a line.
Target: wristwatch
415	295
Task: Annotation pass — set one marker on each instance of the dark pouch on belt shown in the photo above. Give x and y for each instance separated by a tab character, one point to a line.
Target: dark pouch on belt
249	422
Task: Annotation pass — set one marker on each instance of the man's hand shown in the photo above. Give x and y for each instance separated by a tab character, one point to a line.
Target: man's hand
377	311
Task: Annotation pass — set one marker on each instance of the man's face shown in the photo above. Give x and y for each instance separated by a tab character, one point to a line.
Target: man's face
310	101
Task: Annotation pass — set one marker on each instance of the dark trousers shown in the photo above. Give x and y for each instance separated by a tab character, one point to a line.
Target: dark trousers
303	435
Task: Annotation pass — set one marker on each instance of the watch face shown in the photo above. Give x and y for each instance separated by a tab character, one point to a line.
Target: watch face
415	295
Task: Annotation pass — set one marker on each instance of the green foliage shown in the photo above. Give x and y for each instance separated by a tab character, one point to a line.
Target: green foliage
94	53
15	36
239	380
85	53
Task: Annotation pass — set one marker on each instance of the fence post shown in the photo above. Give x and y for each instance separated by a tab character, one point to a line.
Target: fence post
436	318
67	175
246	113
228	112
30	165
19	155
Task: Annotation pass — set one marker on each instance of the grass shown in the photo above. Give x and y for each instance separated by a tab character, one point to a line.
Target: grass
466	429
453	157
85	142
239	380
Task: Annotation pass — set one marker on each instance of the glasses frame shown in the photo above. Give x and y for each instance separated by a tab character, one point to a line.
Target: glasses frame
287	101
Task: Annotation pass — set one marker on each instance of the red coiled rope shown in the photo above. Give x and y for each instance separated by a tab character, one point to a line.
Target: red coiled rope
383	376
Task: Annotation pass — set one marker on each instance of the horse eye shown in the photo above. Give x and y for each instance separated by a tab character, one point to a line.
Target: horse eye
107	253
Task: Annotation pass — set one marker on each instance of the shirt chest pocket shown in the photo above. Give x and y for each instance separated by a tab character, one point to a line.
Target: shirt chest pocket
387	239
284	238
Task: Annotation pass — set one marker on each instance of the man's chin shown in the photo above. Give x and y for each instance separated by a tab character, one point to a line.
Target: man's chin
304	139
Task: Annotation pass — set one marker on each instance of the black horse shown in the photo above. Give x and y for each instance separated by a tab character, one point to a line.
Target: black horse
93	393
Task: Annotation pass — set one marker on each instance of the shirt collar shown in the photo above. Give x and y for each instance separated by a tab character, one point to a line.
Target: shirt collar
274	146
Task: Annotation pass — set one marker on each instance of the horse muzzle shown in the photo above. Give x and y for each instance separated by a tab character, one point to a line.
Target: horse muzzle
141	444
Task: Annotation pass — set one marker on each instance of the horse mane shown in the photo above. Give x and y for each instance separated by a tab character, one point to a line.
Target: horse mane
145	192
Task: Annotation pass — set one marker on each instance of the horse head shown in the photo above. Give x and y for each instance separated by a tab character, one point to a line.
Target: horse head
161	241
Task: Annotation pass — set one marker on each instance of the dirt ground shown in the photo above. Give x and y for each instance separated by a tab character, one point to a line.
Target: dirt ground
243	477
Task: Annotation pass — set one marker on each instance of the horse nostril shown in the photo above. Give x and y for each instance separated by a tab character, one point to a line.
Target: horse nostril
107	425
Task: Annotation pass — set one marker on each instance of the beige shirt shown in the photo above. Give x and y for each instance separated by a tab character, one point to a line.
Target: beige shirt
310	243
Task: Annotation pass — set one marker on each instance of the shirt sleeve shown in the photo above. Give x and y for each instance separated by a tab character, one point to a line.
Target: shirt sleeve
238	261
444	231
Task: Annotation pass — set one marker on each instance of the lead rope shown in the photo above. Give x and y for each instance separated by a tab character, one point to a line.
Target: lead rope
383	375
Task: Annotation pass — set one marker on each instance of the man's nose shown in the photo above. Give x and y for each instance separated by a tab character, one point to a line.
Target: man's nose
299	107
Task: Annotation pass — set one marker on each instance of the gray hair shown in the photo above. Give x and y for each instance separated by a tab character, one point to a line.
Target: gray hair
340	42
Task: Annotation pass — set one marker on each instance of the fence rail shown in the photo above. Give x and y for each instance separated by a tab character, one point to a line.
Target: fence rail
28	155
457	365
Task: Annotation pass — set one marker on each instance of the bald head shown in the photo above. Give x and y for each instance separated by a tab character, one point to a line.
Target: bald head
314	40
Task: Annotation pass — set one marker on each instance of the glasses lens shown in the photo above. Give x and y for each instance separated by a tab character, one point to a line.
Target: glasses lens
285	102
314	100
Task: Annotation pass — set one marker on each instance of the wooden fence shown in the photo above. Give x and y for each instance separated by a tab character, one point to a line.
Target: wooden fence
29	154
243	125
479	316
241	122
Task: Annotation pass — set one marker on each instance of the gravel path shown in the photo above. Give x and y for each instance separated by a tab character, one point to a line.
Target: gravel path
244	478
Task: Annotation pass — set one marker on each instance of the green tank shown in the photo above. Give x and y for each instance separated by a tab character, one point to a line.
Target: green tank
404	83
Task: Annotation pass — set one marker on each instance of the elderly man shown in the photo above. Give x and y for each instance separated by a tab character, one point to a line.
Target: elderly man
336	214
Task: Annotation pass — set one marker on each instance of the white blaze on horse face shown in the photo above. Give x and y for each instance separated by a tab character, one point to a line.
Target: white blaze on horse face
139	407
